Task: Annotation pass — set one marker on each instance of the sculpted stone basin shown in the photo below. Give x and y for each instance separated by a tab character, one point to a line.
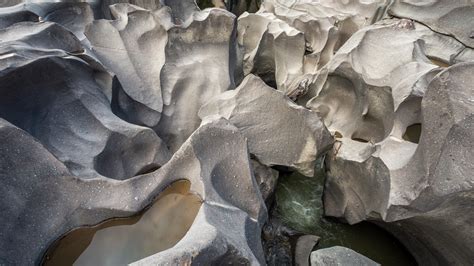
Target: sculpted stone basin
125	240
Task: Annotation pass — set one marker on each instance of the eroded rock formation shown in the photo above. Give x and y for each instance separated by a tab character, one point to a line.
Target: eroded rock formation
105	103
339	256
294	138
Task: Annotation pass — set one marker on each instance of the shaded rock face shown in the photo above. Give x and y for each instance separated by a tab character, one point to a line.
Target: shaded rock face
339	256
12	15
282	133
64	107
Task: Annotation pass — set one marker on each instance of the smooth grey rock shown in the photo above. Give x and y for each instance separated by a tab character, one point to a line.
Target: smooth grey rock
370	94
103	10
200	58
133	47
73	16
64	106
279	131
182	10
446	17
416	186
15	14
273	50
339	256
37	212
361	90
304	246
284	42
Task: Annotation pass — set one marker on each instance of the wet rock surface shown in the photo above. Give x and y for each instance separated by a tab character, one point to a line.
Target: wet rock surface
279	114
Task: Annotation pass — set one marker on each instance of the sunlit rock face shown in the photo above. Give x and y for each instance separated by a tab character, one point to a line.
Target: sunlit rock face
450	18
285	41
380	167
133	47
282	133
200	63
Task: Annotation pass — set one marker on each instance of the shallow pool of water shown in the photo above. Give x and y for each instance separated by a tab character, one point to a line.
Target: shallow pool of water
125	240
299	206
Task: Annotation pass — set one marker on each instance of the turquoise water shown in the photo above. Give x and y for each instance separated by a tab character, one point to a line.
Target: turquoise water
299	206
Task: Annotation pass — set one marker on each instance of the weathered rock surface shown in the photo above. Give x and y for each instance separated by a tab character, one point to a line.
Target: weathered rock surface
133	47
372	96
352	86
284	40
339	256
450	18
200	54
415	185
279	131
15	14
63	105
36	213
87	91
304	246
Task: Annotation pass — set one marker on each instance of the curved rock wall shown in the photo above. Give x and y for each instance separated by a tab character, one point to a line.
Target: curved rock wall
105	103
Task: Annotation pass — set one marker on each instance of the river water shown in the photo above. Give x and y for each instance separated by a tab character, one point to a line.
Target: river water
299	206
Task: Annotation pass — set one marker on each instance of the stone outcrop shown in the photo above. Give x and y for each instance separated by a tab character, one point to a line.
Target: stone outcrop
412	182
105	103
38	212
286	42
200	57
450	18
339	256
59	100
279	131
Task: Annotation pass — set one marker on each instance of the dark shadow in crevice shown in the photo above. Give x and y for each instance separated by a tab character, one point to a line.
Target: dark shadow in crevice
148	169
413	133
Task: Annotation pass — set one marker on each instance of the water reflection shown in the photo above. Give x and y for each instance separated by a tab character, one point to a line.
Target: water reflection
125	240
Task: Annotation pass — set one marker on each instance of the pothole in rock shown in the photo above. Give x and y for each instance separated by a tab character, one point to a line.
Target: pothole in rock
299	206
124	240
413	133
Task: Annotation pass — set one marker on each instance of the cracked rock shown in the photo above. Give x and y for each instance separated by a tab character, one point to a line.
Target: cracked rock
446	17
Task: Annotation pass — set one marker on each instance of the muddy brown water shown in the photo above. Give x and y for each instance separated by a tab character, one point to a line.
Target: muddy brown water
124	240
